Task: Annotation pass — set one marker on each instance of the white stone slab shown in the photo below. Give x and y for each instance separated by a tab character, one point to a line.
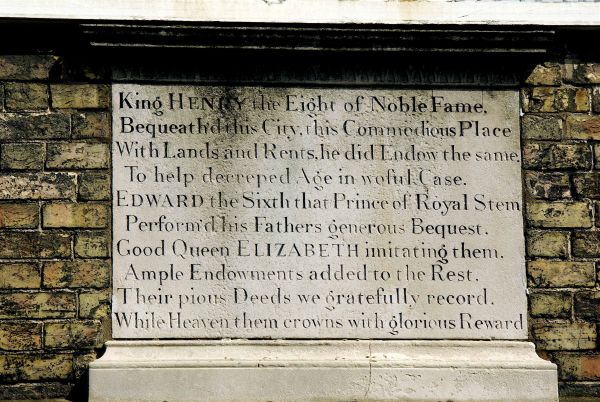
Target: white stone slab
252	212
353	194
322	371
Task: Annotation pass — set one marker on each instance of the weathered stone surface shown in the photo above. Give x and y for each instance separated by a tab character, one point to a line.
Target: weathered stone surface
94	186
72	334
94	304
551	304
564	335
25	96
583	127
22	156
547	156
547	185
79	96
582	73
542	127
26	67
77	155
547	244
587	305
578	366
92	244
34	126
20	335
586	244
35	367
77	273
597	156
34	245
545	74
559	214
19	275
587	184
37	186
563	99
552	274
91	125
38	305
19	216
72	215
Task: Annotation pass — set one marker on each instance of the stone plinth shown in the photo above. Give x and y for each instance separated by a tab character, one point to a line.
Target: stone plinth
365	370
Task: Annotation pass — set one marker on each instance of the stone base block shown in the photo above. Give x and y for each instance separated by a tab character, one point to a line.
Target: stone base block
362	370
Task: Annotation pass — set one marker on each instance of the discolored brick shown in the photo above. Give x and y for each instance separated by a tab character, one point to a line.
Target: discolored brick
551	304
91	125
587	305
559	214
35	367
81	363
596	99
542	127
547	185
578	391
583	127
19	275
92	244
587	184
545	74
38	305
72	215
22	156
20	335
35	391
25	96
94	304
34	245
77	273
582	73
578	366
26	67
549	156
553	274
34	126
547	244
77	155
19	216
37	186
73	335
80	96
564	335
94	186
550	99
586	244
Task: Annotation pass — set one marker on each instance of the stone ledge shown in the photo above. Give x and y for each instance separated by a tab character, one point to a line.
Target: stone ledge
238	370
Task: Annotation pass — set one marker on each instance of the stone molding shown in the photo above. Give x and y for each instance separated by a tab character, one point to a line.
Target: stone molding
313	11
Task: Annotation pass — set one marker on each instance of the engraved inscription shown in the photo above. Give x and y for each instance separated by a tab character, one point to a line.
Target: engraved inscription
260	212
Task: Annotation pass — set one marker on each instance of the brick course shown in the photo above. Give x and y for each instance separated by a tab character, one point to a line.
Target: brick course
55	267
561	162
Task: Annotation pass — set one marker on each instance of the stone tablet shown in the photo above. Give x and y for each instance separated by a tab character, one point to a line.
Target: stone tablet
252	212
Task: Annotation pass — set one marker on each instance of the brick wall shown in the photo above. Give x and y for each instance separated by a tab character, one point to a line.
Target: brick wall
55	221
54	225
561	161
